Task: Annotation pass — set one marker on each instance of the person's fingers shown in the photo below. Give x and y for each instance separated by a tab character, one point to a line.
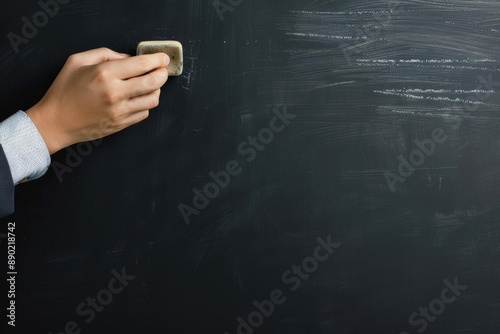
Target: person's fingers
144	102
137	117
136	66
147	83
97	56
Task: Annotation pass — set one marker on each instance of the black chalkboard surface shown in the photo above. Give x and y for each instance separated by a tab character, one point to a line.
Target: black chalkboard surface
320	167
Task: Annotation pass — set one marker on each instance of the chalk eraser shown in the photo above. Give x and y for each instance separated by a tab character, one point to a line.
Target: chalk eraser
172	48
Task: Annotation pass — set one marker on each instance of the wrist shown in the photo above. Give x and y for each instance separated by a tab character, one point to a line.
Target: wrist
53	137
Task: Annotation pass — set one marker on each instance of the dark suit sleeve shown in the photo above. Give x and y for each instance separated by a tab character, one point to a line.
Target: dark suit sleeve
6	187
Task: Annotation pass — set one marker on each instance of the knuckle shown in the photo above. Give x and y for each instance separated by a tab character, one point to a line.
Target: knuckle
104	50
114	116
72	59
111	97
151	82
154	101
155	81
117	126
143	63
101	74
164	74
105	125
145	115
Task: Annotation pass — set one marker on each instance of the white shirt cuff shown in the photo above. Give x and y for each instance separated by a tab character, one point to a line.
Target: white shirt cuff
24	148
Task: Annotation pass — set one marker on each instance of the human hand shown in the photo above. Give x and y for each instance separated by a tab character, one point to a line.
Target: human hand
96	94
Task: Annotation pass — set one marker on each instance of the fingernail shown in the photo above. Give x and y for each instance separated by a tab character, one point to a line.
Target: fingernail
166	60
125	54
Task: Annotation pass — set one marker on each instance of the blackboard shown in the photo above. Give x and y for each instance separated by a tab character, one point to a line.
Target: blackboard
320	167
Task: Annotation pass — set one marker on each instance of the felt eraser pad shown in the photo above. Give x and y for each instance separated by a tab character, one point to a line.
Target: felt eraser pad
172	48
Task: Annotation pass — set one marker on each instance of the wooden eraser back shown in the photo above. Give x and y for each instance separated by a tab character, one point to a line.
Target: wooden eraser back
172	48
